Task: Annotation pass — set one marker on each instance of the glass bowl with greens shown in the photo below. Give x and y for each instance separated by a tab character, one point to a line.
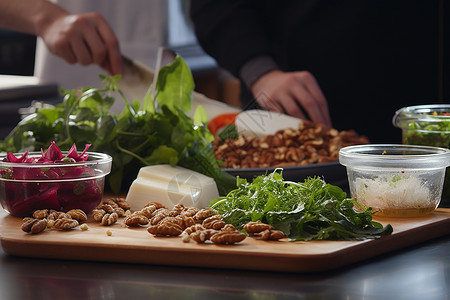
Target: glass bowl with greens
427	125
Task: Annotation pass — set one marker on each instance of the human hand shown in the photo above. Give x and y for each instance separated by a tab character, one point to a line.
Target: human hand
83	38
290	92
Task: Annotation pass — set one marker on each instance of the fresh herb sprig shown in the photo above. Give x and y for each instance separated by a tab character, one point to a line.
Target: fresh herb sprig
142	134
309	210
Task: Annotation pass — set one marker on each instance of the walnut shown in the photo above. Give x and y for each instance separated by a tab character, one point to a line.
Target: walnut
156	204
98	214
108	208
177	209
54	215
173	220
271	234
147	211
190	211
214	222
202	236
204	213
228	235
78	215
263	231
158	215
165	229
119	201
288	147
186	220
193	228
256	227
40	214
65	223
136	220
109	219
34	226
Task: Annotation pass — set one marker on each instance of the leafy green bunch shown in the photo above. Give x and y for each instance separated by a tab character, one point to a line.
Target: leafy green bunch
309	210
148	132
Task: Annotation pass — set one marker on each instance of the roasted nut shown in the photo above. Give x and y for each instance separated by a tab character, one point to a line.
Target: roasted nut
177	209
256	227
214	222
165	229
34	226
40	214
202	236
194	228
203	214
228	237
185	221
147	211
286	147
159	215
136	220
119	201
271	235
78	215
109	219
65	223
156	204
190	211
54	215
98	214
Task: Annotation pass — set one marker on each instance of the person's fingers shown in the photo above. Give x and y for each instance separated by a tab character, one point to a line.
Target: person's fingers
291	107
311	85
81	51
308	102
94	42
113	57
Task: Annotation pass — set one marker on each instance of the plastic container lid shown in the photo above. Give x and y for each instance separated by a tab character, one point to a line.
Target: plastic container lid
421	113
395	156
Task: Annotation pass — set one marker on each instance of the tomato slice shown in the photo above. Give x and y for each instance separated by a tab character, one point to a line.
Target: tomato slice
220	121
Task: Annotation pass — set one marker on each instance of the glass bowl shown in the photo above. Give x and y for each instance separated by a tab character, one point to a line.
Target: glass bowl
26	187
396	180
427	125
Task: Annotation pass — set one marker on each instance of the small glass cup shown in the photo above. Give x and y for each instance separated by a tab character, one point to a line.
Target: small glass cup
427	125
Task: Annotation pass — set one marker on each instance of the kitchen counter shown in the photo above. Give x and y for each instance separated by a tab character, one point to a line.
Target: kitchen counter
419	272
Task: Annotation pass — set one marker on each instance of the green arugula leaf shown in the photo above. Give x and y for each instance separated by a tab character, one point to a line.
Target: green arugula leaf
175	85
309	210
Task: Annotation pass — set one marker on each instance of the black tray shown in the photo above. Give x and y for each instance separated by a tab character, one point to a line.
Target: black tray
333	173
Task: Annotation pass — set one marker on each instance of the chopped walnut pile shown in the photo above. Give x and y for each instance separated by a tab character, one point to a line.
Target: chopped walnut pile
109	211
309	144
49	218
199	225
224	234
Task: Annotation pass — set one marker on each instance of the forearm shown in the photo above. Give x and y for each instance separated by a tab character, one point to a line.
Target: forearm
28	16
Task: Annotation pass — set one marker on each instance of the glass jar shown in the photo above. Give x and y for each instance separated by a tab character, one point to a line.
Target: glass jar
427	125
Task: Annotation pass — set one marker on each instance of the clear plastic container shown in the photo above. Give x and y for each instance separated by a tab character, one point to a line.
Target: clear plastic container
427	125
396	180
26	187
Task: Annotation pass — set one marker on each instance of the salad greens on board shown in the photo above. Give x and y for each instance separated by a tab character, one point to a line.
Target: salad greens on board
148	132
309	210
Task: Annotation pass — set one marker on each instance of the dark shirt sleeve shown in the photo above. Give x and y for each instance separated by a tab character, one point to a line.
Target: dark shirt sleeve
233	32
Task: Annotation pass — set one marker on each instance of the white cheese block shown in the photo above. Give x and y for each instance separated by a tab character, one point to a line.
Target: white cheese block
170	186
260	123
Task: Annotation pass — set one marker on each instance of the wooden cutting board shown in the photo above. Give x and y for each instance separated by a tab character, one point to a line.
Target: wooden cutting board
131	245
